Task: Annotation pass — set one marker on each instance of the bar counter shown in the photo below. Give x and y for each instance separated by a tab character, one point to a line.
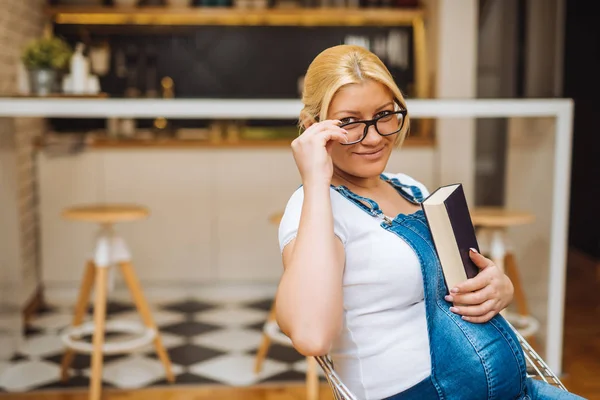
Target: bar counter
210	203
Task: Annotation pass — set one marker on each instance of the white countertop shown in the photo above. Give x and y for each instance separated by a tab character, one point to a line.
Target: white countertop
260	108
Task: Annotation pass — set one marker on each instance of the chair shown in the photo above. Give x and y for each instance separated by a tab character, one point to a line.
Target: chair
536	369
110	250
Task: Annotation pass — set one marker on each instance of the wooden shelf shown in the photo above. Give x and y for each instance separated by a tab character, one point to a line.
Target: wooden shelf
101	95
106	143
234	16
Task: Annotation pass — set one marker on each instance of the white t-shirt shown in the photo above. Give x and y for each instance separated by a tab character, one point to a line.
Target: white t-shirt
383	348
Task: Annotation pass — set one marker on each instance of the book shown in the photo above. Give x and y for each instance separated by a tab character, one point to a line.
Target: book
449	220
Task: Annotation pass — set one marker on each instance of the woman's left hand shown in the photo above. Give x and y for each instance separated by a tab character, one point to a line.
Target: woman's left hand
480	298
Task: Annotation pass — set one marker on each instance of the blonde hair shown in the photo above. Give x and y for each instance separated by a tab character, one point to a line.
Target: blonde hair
336	67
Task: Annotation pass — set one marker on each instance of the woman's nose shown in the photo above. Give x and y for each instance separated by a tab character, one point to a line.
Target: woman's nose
372	138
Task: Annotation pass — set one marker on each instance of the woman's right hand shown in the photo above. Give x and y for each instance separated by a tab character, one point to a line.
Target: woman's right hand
312	151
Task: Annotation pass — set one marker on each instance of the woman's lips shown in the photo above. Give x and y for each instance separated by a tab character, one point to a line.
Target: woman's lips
371	155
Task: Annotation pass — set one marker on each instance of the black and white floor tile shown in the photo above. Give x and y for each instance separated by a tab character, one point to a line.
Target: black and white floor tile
211	339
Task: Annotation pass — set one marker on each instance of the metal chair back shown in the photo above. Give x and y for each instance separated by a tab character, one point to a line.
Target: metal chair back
536	369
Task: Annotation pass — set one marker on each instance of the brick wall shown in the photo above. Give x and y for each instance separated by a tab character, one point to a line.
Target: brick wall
20	22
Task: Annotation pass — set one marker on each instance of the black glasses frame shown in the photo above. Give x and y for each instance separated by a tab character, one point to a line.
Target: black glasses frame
373	122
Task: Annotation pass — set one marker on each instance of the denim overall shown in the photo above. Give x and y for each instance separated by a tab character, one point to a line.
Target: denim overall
468	360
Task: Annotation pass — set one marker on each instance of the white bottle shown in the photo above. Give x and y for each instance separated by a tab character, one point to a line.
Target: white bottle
80	70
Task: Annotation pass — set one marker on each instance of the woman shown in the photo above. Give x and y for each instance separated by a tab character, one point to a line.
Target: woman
361	279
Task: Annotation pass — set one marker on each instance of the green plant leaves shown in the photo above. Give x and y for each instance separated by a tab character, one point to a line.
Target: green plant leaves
47	53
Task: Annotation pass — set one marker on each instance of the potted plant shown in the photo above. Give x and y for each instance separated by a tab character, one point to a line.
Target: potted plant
44	59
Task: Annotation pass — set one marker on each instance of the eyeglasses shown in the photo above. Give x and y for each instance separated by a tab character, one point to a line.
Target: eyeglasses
385	125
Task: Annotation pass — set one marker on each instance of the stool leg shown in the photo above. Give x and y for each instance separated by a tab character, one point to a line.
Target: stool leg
498	252
98	339
80	308
265	343
144	310
513	274
498	249
520	300
312	379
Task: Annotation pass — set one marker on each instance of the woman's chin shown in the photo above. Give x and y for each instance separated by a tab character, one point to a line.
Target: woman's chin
372	168
367	170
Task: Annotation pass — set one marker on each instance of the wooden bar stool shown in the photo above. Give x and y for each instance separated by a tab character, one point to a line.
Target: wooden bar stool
110	249
272	333
491	224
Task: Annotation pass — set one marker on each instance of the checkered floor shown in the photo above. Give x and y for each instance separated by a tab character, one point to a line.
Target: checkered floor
212	340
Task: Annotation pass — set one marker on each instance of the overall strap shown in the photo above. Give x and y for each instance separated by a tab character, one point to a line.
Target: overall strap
410	192
368	205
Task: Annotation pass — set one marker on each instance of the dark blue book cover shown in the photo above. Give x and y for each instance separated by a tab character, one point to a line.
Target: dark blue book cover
464	232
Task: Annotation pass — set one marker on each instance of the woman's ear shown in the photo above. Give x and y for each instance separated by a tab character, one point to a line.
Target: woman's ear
307	121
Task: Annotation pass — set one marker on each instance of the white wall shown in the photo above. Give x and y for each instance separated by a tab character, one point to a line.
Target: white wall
453	35
531	156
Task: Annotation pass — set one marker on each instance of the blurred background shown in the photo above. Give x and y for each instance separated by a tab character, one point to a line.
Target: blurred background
196	188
